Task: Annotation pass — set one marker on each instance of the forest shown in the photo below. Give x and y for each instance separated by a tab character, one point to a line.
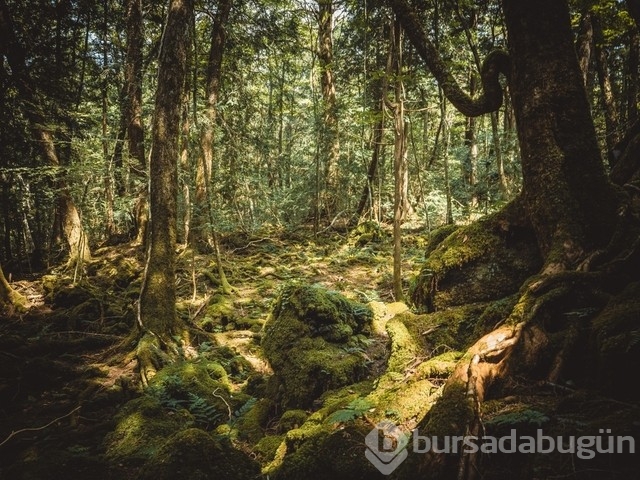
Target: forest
319	239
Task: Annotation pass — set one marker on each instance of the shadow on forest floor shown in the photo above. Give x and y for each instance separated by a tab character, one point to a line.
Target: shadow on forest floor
67	366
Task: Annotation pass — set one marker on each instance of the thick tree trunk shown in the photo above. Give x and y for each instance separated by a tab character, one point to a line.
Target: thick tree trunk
569	201
157	316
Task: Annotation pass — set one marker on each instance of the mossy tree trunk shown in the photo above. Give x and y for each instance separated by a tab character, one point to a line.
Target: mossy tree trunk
157	317
567	199
9	297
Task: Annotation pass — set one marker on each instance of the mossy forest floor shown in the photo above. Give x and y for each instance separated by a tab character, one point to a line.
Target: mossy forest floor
285	376
67	366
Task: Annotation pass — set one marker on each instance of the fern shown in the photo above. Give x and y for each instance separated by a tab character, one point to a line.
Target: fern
204	413
248	405
633	340
172	394
355	409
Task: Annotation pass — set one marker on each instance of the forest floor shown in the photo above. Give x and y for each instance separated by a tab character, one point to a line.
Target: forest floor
68	365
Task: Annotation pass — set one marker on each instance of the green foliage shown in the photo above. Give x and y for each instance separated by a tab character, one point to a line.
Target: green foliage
356	409
243	410
173	395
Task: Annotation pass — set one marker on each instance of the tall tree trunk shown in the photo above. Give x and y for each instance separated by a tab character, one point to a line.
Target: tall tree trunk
70	217
631	76
330	140
133	109
583	45
471	157
401	172
202	222
157	318
611	116
446	138
110	226
497	148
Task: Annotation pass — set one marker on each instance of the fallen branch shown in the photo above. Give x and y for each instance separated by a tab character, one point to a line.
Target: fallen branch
35	429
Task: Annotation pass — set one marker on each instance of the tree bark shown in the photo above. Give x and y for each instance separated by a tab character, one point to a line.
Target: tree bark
583	45
568	198
133	110
490	97
611	115
75	236
401	172
330	140
569	201
157	317
202	227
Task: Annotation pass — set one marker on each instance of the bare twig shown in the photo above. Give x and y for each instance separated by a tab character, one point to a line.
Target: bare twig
225	402
13	434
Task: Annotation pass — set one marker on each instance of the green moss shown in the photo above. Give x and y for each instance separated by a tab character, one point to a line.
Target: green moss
365	233
252	425
454	328
194	454
268	446
142	427
311	341
438	236
219	313
450	414
292	419
440	366
316	452
486	260
405	347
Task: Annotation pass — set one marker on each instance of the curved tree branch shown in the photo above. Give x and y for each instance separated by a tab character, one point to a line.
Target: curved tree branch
490	98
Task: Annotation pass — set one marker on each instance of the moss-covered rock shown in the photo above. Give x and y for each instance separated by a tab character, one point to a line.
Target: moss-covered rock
219	314
292	419
312	343
268	446
367	232
486	260
194	454
142	427
330	443
252	424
